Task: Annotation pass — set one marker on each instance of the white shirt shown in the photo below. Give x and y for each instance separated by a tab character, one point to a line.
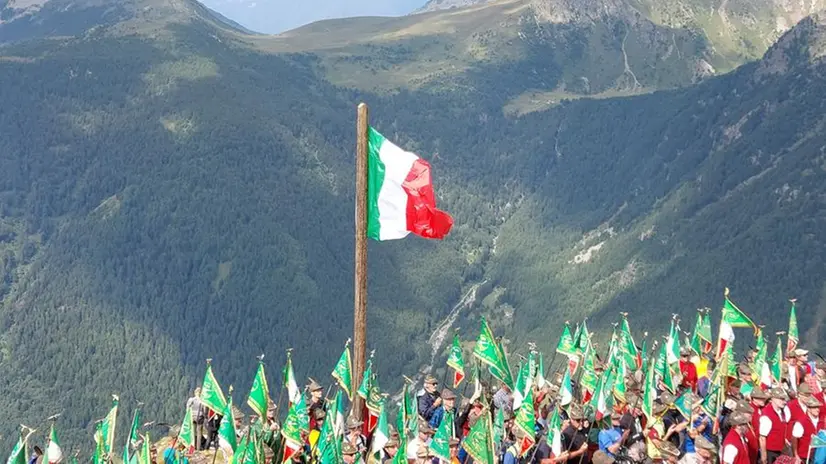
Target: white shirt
793	376
797	428
766	423
730	451
413	447
729	454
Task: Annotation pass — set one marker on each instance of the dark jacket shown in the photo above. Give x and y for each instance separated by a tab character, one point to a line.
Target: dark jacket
426	407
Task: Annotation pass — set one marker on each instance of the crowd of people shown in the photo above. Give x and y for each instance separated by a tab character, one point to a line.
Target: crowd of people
754	424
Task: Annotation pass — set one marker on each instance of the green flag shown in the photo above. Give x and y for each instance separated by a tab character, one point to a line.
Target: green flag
343	371
701	336
293	392
247	451
539	377
649	391
53	452
211	394
683	404
187	435
145	455
490	352
523	385
525	420
498	430
366	380
777	362
381	434
456	362
401	454
133	437
412	413
566	390
440	444
227	435
628	347
732	318
712	400
329	440
259	397
663	370
582	338
588	380
297	420
99	457
793	336
18	453
566	341
762	352
479	441
108	427
619	383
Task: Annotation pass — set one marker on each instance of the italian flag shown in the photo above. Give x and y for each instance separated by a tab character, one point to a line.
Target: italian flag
54	453
732	317
400	197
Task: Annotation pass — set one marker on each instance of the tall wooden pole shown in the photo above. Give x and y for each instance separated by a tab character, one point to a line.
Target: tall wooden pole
360	294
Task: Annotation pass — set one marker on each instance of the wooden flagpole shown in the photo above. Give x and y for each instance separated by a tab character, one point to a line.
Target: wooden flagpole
360	293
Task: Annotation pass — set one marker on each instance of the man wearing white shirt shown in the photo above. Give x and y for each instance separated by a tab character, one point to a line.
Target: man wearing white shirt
422	440
805	426
735	445
773	424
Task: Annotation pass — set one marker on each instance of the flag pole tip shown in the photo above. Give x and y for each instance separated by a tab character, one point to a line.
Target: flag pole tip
726	292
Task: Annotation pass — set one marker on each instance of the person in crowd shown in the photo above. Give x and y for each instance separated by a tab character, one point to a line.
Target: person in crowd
704	368
804	427
422	440
453	445
612	437
36	456
745	376
669	452
574	439
773	424
388	453
735	445
503	399
688	370
705	451
700	426
448	405
429	398
198	417
672	418
319	415
354	436
512	451
316	400
348	453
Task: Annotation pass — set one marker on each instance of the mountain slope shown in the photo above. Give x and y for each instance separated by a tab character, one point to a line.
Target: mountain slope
175	190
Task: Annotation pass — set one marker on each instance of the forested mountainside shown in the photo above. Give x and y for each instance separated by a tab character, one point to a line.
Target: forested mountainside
172	190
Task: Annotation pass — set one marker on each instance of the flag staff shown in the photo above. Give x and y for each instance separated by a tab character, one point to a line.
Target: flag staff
360	289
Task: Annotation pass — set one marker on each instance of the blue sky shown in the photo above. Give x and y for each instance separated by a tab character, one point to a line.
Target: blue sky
273	16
